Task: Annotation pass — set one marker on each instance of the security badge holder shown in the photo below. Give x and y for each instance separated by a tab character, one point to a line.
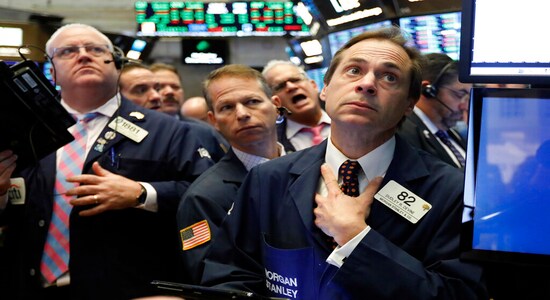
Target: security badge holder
403	202
124	127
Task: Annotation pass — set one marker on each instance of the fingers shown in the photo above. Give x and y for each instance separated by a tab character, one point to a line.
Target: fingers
100	171
330	180
92	199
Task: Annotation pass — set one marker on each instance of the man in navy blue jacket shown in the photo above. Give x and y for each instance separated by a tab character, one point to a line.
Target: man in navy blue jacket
243	111
121	217
278	239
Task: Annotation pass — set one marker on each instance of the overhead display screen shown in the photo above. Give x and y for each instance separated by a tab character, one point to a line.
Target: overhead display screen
255	18
437	33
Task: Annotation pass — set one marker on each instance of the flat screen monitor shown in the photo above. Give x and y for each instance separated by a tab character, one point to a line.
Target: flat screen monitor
339	38
203	19
339	15
205	51
508	176
435	33
502	42
413	8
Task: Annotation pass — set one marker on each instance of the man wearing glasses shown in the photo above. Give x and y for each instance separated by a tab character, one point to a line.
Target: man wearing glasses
97	219
306	123
442	103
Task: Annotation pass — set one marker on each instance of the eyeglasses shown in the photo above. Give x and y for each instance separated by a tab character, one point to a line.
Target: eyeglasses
69	52
458	94
281	85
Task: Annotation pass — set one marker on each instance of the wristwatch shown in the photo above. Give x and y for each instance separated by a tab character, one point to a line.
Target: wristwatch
142	196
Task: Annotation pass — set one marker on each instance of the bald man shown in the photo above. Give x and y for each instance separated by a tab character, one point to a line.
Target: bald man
195	107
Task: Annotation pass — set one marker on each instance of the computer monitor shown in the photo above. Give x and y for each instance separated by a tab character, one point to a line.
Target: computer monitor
507	177
502	42
339	38
434	33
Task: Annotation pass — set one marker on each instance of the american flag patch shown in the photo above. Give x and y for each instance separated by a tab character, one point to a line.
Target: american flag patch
195	235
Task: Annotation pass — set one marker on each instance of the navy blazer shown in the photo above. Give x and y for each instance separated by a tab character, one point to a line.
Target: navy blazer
417	134
209	198
116	254
271	231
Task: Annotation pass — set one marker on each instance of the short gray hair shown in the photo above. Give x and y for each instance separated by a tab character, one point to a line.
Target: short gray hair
49	49
277	62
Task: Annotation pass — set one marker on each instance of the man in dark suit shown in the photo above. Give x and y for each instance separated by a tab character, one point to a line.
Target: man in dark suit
279	236
442	104
173	95
118	211
140	85
306	124
242	109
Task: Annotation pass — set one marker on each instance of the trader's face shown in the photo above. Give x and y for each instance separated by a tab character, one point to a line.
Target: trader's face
242	111
370	88
140	87
171	92
79	56
455	96
296	92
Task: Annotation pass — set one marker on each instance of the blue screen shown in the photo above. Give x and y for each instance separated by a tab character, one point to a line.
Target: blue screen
512	176
317	75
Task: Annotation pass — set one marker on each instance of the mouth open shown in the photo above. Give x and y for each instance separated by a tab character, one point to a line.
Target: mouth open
298	98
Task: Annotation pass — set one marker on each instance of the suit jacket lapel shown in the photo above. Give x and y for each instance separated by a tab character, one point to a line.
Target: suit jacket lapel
236	171
306	172
431	140
109	137
405	167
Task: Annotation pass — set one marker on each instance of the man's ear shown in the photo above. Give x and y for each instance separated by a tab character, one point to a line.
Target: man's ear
276	100
322	94
212	120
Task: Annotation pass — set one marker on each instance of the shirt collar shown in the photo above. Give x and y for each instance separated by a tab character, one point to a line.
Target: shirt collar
374	163
108	109
429	124
250	160
292	128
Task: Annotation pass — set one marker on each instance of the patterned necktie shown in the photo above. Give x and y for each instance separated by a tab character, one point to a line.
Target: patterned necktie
349	171
55	258
316	132
442	135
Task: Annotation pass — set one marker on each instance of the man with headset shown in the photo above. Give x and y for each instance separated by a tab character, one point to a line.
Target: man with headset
96	219
441	105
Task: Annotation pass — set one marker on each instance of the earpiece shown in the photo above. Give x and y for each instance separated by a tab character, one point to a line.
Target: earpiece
118	58
431	90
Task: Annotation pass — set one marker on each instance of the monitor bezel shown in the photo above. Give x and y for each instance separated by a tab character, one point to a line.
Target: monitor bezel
478	94
466	48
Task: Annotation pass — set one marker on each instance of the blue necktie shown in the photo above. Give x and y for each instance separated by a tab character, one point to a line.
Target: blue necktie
442	135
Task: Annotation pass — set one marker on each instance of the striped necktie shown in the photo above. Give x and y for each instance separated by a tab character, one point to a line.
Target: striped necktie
444	137
55	258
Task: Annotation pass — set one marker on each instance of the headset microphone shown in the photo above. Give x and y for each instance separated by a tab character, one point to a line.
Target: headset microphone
446	106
